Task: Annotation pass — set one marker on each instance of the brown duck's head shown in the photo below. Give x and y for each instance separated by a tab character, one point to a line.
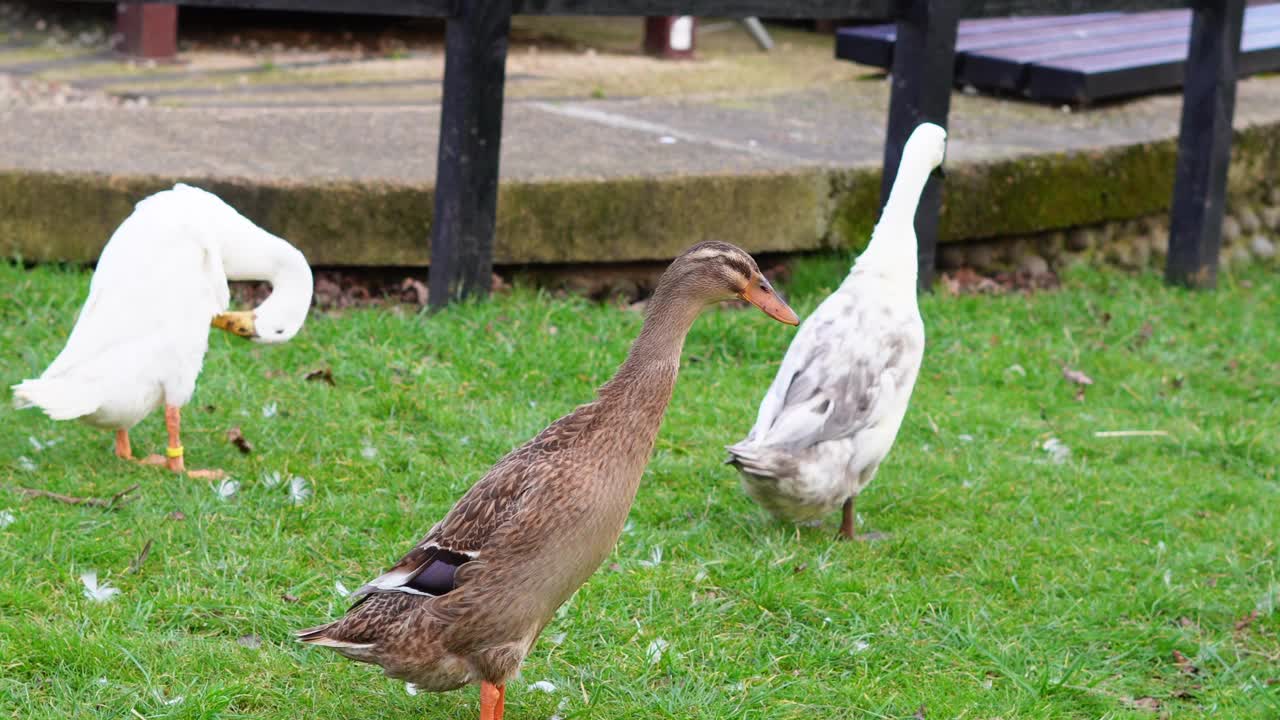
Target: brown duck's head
713	271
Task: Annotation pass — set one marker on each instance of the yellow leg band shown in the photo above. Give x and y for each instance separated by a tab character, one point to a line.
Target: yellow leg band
173	452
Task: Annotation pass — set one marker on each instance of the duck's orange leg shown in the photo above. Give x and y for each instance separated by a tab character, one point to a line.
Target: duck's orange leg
492	700
173	454
123	451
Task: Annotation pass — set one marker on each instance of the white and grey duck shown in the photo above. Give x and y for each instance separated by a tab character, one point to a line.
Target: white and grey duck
466	604
834	409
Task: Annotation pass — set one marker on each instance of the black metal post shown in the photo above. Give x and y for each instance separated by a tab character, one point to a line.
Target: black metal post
466	194
923	71
1204	143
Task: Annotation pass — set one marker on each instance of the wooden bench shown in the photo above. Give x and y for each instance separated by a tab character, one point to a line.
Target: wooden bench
930	48
1076	58
466	189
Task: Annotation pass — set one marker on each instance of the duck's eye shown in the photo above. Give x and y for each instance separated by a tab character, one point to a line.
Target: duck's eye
280	331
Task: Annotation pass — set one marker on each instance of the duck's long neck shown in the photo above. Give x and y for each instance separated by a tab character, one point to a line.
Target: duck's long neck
893	244
640	391
255	254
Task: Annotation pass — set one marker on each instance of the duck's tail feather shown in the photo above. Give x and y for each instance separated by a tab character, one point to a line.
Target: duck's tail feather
59	399
330	636
754	460
320	635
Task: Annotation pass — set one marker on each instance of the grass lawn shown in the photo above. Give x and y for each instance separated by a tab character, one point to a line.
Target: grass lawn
1139	576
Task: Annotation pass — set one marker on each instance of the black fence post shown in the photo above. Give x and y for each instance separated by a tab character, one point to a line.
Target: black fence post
466	194
1204	143
924	62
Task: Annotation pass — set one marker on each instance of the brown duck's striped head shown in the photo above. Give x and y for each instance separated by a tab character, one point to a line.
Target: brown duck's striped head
713	271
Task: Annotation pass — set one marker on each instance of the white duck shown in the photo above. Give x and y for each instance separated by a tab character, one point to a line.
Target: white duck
835	407
141	336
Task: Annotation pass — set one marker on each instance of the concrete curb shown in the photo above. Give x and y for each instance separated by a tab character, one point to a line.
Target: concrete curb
50	217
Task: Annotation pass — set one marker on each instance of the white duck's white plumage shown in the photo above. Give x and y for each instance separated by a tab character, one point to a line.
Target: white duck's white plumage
833	411
140	339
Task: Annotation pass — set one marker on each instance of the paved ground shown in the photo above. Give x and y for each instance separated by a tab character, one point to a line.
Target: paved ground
582	105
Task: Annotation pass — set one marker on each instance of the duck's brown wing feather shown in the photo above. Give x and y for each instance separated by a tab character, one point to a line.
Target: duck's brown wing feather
490	505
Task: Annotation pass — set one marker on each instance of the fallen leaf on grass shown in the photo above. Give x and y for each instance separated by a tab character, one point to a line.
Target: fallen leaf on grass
920	712
177	515
253	642
413	291
237	438
1184	663
1144	334
1144	703
289	598
1247	620
1075	376
94	591
142	556
324	375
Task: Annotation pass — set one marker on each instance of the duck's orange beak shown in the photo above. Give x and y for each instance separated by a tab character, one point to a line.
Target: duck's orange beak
761	294
237	323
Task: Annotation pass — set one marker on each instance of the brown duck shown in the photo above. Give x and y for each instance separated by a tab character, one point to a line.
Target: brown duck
468	601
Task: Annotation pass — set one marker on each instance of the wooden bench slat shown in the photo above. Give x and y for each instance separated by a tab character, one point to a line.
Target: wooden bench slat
873	44
1091	78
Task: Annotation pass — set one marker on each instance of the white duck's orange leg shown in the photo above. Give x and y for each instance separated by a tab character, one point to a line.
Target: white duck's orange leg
492	700
173	454
123	451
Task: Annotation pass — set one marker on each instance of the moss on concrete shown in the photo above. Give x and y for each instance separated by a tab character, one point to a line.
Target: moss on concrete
51	217
1046	192
657	218
1038	193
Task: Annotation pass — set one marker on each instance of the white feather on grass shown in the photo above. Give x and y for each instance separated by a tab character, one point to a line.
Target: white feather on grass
545	686
227	489
94	591
656	648
299	490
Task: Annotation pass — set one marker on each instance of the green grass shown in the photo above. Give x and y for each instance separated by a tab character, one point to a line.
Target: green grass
1009	587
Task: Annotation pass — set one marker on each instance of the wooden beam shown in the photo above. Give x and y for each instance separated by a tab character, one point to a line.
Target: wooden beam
408	8
466	194
1204	143
799	9
670	36
148	31
923	65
